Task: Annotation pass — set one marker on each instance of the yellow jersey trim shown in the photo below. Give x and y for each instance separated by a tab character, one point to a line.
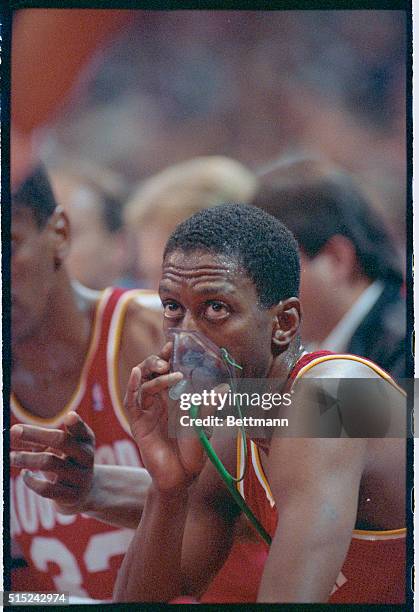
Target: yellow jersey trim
240	467
27	417
260	473
356	358
391	534
113	352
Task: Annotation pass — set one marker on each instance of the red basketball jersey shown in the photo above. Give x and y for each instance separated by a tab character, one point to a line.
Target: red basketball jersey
76	553
375	566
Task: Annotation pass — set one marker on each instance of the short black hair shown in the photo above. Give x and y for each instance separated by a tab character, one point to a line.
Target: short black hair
316	208
110	197
261	244
35	194
106	188
112	208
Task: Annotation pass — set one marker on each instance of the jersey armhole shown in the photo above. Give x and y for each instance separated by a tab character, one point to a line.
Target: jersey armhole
373	366
113	348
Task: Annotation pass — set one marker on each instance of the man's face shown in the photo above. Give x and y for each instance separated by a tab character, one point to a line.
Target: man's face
95	257
315	291
213	295
32	269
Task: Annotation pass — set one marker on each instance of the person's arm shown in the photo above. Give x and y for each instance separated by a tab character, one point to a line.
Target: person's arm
211	522
113	494
315	483
186	527
117	495
182	541
151	569
315	476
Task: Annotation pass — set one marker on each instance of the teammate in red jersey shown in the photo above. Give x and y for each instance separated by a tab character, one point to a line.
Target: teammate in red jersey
72	352
232	274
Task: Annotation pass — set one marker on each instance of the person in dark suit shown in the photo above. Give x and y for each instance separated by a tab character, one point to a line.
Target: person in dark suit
351	284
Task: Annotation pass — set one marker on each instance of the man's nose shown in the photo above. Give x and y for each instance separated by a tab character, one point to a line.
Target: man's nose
189	323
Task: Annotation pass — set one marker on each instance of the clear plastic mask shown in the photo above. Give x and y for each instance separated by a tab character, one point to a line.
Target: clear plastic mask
203	364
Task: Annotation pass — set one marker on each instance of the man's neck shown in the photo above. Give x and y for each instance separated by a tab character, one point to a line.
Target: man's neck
285	362
345	298
62	335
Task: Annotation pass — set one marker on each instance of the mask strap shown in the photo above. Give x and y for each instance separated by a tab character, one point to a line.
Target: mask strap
229	359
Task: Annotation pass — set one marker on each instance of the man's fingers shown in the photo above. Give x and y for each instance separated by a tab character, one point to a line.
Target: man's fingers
56	469
75	444
49	489
166	351
78	428
157	385
137	391
17	444
80	453
37	435
36	461
133	387
76	455
152	366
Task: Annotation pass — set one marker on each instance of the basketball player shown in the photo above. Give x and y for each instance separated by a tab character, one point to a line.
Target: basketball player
73	350
334	506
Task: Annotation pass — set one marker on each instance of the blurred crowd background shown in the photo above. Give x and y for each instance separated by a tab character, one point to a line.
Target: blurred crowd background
178	110
172	85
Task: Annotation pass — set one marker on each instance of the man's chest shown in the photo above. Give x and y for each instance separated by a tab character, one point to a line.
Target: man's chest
45	393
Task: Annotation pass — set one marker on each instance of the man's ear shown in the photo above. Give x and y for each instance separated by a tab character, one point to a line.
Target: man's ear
60	235
286	323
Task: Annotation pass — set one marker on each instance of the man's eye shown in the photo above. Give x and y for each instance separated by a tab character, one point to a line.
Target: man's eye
216	310
172	310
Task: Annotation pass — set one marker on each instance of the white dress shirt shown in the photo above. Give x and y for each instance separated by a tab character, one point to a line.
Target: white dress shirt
340	336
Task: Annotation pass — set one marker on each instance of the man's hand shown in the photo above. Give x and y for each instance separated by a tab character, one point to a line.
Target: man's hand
65	457
171	461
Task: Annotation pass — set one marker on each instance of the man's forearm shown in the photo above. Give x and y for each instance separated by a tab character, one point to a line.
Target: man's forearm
151	570
117	495
305	557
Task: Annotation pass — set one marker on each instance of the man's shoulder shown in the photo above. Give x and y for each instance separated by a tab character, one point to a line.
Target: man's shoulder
340	365
146	298
139	309
344	393
86	299
142	325
142	307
